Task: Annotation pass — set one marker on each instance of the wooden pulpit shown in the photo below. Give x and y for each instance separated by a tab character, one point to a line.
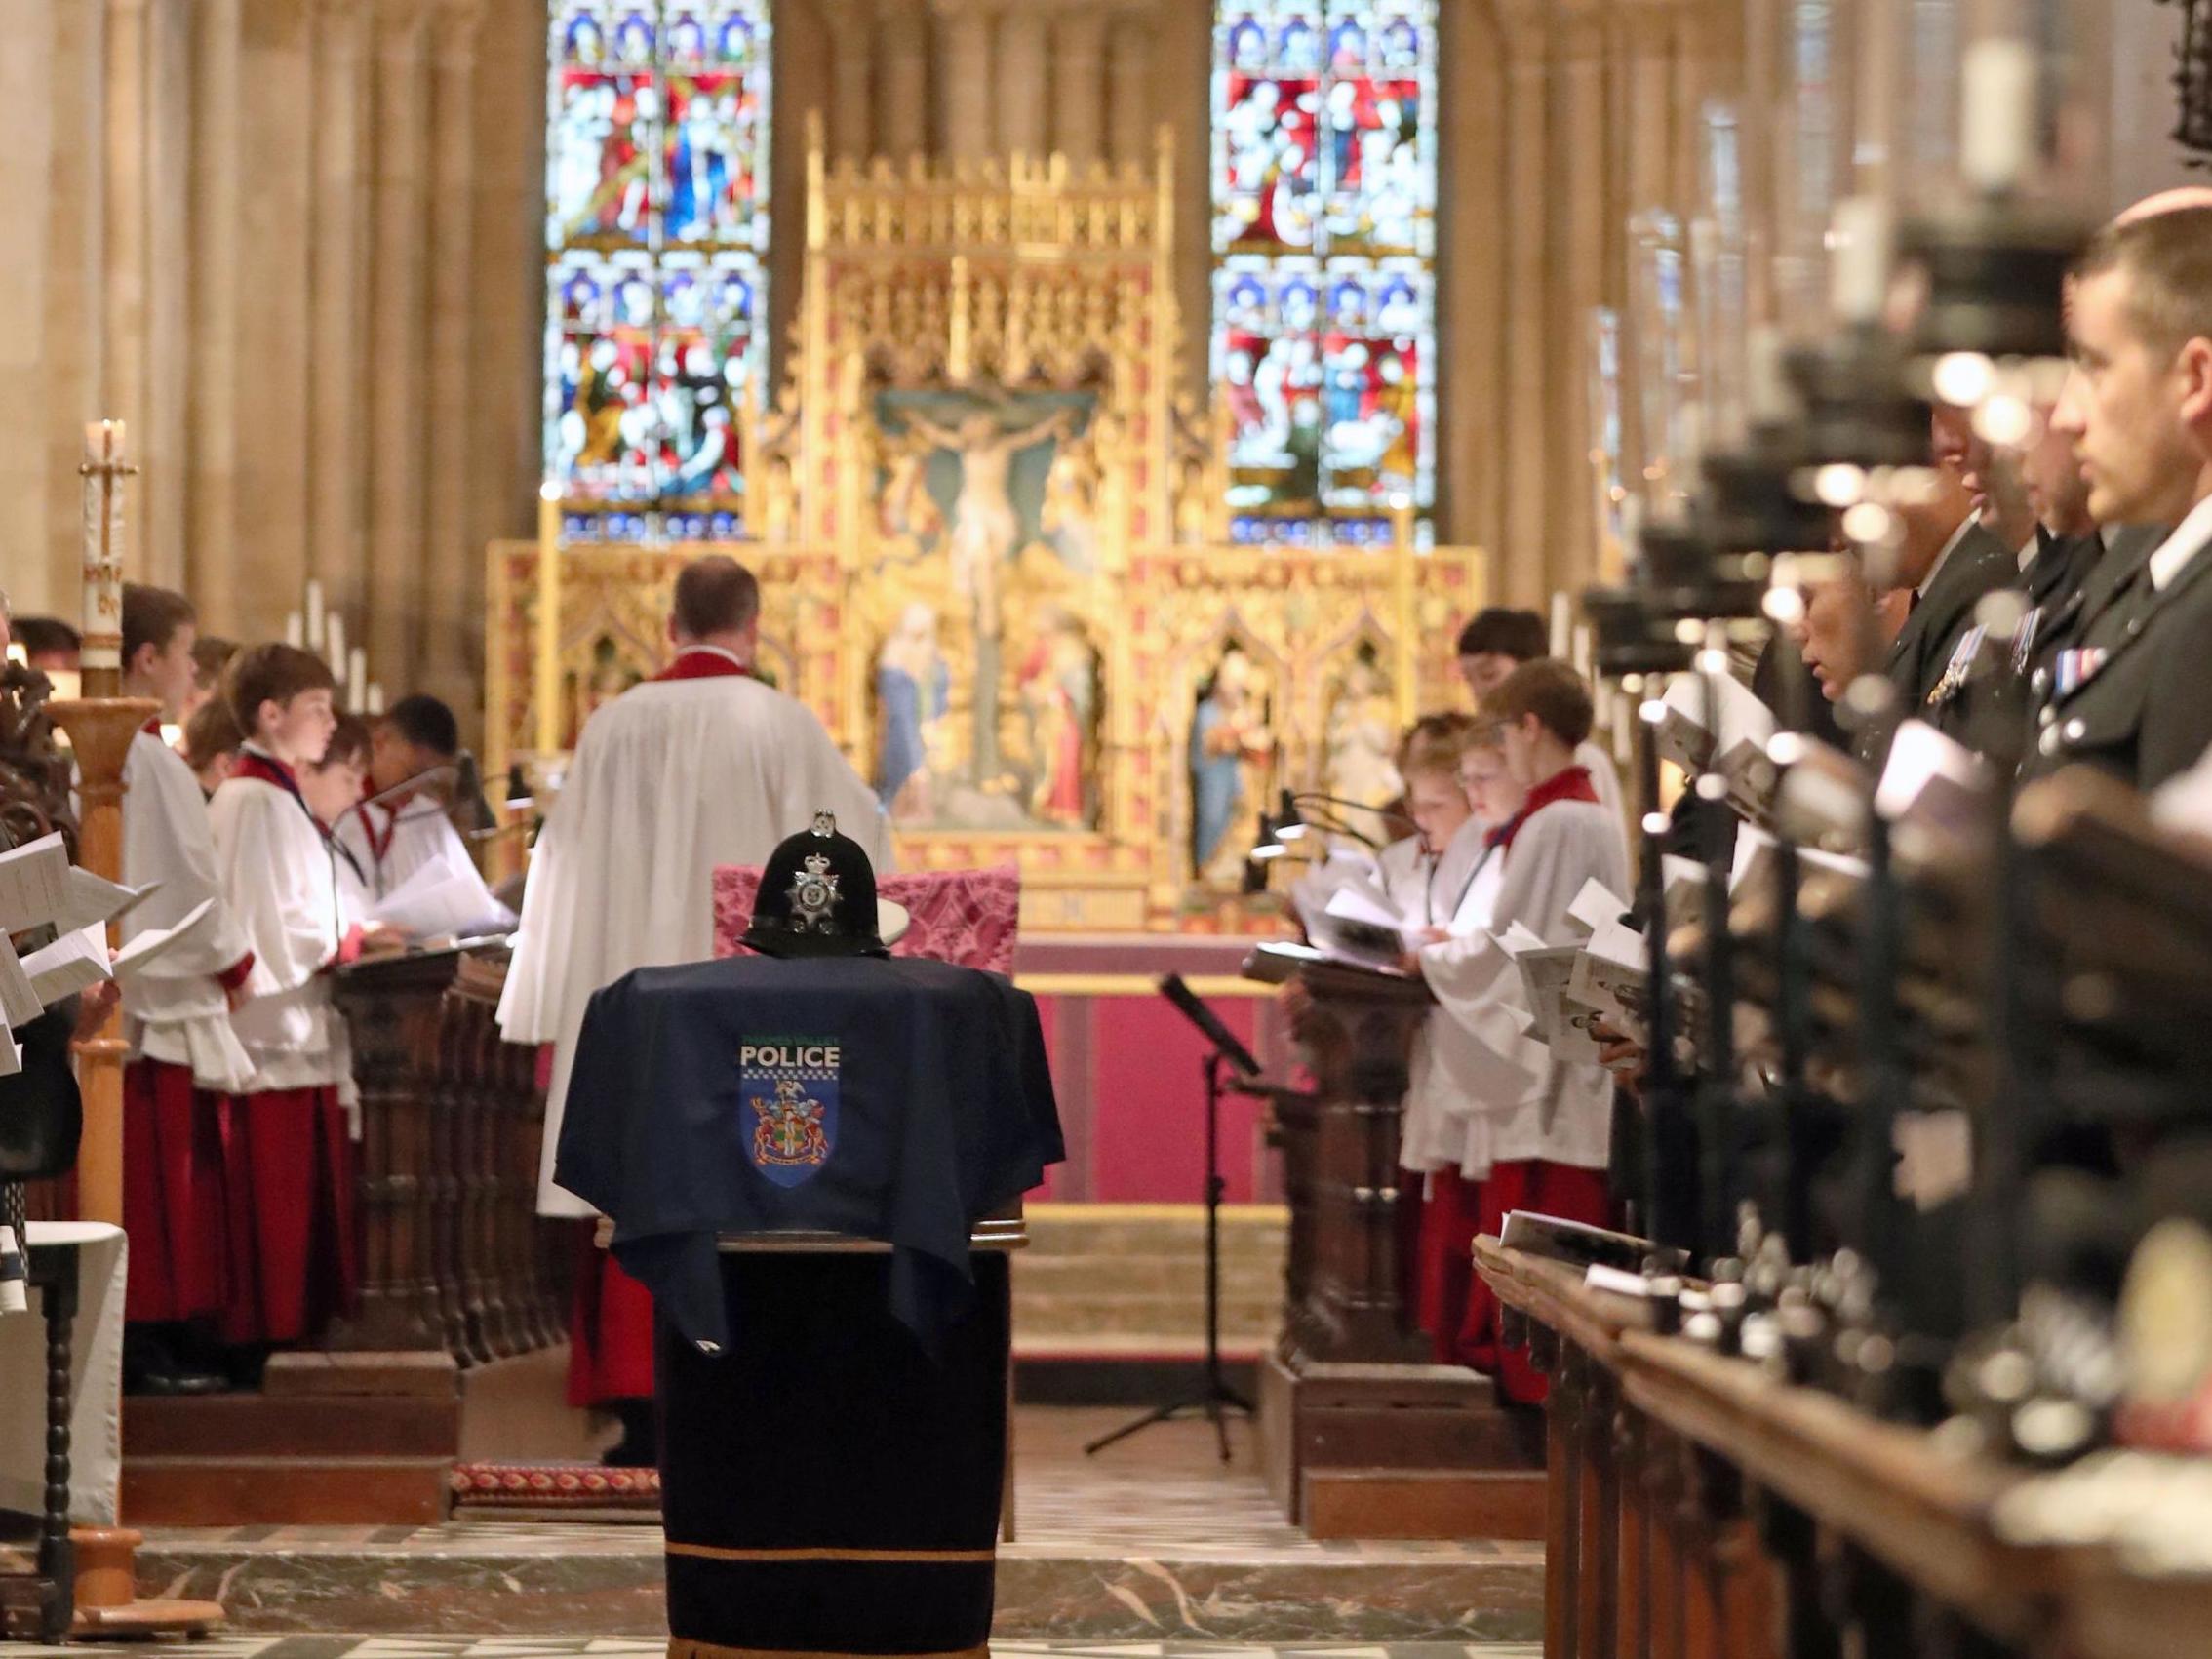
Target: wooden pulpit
1361	1434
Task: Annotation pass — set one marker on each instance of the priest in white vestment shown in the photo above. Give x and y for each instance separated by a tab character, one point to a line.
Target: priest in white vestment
700	767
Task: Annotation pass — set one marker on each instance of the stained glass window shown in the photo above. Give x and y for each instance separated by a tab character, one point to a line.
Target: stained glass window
1324	190
656	228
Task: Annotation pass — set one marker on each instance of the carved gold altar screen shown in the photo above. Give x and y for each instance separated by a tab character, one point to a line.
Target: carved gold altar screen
992	550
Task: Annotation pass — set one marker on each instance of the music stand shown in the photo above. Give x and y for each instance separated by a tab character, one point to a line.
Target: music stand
1215	1398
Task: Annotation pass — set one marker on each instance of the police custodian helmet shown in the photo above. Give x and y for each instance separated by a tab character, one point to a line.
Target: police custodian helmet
817	897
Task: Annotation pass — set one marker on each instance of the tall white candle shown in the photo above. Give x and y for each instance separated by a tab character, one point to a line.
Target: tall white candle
374	703
104	470
1997	113
295	629
1858	265
334	641
314	615
356	679
1562	615
1767	388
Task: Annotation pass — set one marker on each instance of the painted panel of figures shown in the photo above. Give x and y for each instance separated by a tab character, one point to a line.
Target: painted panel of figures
986	683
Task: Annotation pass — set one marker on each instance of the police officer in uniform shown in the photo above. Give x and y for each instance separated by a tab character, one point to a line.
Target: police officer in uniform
2130	691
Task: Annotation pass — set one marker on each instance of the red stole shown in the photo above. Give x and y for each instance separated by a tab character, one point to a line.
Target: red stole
702	662
1572	784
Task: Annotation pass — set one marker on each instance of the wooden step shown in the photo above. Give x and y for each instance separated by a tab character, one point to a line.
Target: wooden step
286	1491
309	1426
1423	1503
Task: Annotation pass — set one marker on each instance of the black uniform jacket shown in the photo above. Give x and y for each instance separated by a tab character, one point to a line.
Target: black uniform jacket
894	1100
1932	684
2138	702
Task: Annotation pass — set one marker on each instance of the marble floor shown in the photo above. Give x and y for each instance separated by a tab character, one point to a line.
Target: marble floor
1154	1541
401	1646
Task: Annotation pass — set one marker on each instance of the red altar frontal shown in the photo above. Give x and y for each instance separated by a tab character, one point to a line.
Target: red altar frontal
1126	1065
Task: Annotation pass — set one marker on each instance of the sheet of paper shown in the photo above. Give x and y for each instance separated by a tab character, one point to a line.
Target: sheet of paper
1594	906
34	883
444	896
75	962
19	1002
94	898
156	942
1363	903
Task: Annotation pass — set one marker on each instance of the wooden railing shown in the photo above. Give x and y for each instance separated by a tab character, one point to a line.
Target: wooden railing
453	1254
1699	1507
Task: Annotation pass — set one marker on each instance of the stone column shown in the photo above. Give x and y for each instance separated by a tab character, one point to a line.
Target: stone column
852	93
1078	39
210	555
965	88
123	197
275	205
904	76
1128	93
398	283
30	74
1021	90
339	138
1583	207
1518	563
158	550
1471	296
448	563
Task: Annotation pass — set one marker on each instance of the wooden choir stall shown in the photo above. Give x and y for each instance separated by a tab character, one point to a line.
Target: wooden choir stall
460	1281
1360	1435
1707	1506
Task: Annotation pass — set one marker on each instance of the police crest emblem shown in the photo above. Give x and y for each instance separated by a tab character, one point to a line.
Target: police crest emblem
789	1086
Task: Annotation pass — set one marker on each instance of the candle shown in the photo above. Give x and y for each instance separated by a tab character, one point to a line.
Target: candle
334	641
1858	268
1582	649
356	678
374	703
104	470
1562	615
314	615
1766	391
1997	114
295	629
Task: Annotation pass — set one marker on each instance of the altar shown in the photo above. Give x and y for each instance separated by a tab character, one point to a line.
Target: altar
996	559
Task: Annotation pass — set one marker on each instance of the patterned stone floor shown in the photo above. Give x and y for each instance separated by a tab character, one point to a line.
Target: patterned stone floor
1154	1542
627	1647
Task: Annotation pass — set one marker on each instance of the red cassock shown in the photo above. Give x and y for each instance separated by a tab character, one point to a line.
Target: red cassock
289	1174
609	1330
174	1206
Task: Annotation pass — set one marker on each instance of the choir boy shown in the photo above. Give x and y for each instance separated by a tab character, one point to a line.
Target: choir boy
177	1019
1545	1144
289	1159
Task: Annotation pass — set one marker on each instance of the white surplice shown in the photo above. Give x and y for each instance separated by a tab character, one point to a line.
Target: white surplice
1446	1064
175	1008
414	833
669	780
1561	1114
277	874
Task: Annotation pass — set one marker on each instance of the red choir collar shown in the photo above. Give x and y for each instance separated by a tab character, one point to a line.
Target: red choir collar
704	662
266	768
1572	784
152	728
380	842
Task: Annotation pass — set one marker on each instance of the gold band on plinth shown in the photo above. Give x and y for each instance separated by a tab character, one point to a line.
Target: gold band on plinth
681	1648
927	1558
